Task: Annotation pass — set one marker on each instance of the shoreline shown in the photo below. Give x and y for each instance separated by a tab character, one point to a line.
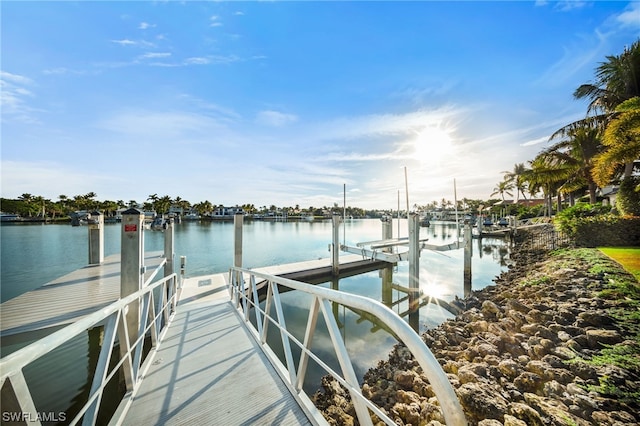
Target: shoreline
532	349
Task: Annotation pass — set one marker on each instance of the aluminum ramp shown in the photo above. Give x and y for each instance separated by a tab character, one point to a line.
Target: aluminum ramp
209	370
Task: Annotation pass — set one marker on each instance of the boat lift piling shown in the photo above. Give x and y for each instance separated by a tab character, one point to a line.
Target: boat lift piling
169	251
131	271
468	253
386	274
96	238
335	245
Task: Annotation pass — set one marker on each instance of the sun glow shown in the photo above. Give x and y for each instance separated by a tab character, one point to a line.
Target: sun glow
432	145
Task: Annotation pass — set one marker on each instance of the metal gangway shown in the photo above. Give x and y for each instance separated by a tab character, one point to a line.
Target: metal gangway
158	310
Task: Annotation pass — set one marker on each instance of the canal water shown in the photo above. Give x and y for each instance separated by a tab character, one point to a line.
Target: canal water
32	255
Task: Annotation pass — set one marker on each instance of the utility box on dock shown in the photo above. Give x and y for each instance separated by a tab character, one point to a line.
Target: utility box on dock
95	223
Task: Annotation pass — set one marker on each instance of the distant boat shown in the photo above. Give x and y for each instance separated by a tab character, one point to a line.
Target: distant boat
487	221
503	221
192	216
308	217
7	217
159	224
424	222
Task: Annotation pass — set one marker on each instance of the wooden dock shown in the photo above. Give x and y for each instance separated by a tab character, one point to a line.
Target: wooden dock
68	298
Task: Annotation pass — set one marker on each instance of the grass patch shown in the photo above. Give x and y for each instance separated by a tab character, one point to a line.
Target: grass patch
628	257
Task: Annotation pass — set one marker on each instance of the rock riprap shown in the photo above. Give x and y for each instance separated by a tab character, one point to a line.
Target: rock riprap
548	344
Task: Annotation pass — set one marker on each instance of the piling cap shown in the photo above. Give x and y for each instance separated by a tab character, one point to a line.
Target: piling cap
133	211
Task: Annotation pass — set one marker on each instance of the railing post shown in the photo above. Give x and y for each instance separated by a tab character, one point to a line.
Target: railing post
335	245
468	253
169	252
96	238
132	265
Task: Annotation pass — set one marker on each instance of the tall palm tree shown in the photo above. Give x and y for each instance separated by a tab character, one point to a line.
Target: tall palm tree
516	177
617	80
502	188
545	176
575	153
622	142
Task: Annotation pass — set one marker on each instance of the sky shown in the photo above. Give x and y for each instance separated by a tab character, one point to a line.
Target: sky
288	103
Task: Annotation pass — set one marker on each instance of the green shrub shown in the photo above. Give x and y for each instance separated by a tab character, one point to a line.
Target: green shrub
628	200
568	219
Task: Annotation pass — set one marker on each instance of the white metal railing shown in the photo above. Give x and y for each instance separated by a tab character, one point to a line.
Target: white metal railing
244	295
155	316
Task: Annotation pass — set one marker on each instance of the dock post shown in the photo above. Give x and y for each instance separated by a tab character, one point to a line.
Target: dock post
132	266
169	252
414	269
468	253
238	219
387	273
335	245
96	238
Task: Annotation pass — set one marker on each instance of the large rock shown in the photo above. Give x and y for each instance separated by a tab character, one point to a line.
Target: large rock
599	337
481	402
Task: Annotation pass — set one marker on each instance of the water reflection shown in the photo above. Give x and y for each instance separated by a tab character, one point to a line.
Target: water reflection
367	339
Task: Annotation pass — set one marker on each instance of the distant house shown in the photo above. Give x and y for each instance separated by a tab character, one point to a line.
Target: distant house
608	194
227	211
531	202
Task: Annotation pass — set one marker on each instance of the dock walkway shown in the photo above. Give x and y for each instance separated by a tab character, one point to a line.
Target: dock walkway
68	298
210	370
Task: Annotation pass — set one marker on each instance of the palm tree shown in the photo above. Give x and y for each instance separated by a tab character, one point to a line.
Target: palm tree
621	140
502	188
516	177
575	153
548	177
617	80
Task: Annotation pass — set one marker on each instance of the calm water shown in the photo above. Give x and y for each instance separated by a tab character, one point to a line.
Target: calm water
32	255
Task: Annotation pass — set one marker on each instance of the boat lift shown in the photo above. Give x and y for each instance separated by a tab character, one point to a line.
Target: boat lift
383	250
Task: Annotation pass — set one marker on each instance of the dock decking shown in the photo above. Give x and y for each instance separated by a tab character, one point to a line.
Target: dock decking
68	298
209	370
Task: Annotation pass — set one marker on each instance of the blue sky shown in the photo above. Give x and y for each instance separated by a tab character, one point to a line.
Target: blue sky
284	102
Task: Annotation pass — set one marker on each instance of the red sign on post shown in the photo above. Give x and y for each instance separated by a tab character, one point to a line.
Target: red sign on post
130	228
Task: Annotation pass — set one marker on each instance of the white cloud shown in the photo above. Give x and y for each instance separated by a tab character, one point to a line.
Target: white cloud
215	21
15	78
15	98
197	61
145	25
275	118
20	177
124	42
536	141
155	55
127	42
385	124
631	16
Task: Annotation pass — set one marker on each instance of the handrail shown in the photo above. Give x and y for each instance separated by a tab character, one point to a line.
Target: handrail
245	297
153	319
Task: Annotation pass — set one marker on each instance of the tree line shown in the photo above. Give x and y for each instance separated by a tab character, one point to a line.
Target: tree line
596	151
